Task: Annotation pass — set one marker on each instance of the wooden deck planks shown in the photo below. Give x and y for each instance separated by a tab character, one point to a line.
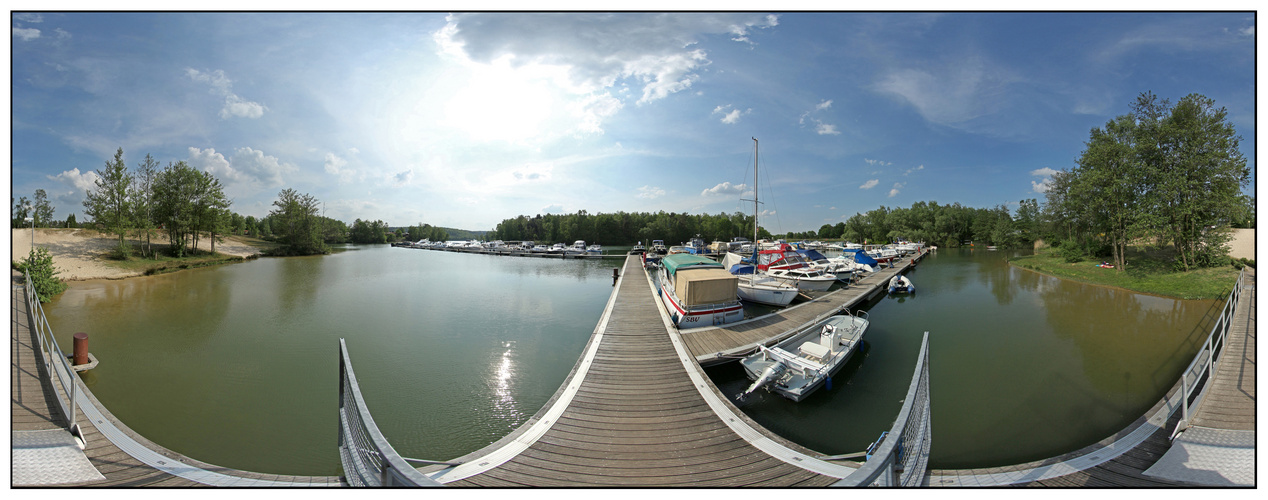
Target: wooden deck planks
636	419
1229	402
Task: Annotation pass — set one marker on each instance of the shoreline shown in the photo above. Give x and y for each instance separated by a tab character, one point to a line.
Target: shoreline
81	254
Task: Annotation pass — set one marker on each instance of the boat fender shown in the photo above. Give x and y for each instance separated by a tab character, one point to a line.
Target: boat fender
829	383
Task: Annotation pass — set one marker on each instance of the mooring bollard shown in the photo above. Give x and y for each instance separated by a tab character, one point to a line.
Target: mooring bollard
80	349
616	273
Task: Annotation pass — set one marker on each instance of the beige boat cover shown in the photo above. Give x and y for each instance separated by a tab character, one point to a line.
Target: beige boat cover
705	286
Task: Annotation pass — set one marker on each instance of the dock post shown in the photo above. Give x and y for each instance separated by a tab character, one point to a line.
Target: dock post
616	273
80	348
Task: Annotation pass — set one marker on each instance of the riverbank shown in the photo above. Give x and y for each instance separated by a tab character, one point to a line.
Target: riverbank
82	254
1143	275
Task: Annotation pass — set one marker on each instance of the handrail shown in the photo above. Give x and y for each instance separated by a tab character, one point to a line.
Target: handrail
368	459
1204	361
902	456
54	360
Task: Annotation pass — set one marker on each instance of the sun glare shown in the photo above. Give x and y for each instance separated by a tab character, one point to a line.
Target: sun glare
499	103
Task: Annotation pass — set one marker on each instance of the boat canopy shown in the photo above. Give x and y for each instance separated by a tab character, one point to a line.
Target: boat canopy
861	257
674	262
812	255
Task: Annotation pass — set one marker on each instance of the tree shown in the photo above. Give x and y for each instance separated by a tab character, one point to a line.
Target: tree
296	223
143	200
21	210
42	209
174	193
109	205
70	221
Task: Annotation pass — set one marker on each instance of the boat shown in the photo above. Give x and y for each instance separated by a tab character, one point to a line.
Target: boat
900	283
658	247
800	364
788	266
698	291
638	248
595	249
841	268
539	249
758	288
578	247
557	248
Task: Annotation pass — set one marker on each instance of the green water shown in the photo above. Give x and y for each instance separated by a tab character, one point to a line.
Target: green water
237	365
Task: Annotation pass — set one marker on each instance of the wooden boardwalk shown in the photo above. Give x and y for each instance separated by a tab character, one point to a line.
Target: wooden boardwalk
1136	448
1230	401
33	408
636	412
713	345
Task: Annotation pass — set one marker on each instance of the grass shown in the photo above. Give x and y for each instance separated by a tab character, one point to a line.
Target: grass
1148	271
165	263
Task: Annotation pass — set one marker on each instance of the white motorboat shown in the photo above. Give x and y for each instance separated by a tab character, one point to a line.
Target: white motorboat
799	365
594	249
900	283
843	271
754	287
807	279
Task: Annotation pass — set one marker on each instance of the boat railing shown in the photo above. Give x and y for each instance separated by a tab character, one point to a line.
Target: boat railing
1201	371
367	458
902	456
55	362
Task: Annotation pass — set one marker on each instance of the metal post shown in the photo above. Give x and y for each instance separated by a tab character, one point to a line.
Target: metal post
80	344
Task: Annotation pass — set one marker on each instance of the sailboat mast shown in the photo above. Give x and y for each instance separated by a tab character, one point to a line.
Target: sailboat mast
755	245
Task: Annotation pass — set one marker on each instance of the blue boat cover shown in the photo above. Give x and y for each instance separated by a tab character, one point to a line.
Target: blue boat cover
742	269
861	257
811	255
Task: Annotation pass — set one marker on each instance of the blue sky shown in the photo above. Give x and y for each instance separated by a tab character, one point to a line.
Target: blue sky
463	120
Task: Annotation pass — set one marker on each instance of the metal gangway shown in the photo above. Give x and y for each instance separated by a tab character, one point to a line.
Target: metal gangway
55	362
1200	373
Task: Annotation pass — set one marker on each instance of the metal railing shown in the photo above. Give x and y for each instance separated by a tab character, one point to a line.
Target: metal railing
1201	371
54	360
368	459
901	457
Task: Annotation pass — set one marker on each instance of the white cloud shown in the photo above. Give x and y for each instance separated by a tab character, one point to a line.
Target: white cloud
335	165
725	188
28	17
877	162
553	208
826	129
26	34
821	127
222	86
599	51
249	168
75	185
824	105
870	184
1044	185
894	192
913	169
650	192
959	90
730	115
1247	31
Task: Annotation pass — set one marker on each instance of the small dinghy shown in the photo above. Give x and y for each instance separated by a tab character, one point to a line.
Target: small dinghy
802	363
901	284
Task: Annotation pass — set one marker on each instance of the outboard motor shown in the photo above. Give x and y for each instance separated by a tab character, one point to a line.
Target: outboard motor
769	376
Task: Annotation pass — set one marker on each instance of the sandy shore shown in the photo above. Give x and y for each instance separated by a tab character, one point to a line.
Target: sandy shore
79	254
1243	244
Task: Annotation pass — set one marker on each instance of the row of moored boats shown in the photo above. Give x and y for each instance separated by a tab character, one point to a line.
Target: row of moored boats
578	247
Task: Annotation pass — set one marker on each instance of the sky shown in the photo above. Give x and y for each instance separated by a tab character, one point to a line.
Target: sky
466	119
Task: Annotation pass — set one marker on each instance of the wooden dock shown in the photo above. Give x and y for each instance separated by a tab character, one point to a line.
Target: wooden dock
637	411
110	446
713	345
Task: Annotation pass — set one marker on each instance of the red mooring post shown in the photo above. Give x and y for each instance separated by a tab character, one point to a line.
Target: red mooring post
81	349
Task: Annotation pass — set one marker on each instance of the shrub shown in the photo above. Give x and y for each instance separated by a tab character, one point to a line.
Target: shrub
39	264
1071	251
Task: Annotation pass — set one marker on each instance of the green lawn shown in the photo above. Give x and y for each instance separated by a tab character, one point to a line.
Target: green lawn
1145	273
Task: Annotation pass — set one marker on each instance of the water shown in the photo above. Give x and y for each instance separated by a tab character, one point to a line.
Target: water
238	365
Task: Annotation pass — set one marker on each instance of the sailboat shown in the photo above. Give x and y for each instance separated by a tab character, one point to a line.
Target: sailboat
754	287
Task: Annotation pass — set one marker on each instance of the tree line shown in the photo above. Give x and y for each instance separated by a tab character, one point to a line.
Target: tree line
623	228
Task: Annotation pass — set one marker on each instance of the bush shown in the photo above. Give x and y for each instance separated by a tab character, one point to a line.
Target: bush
1071	251
39	264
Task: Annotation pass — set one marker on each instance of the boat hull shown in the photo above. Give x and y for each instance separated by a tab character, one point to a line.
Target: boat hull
773	295
801	379
693	317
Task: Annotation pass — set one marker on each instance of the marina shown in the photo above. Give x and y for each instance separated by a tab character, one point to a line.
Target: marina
662	399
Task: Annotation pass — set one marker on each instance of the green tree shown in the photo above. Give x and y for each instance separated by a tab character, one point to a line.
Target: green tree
109	204
21	210
42	209
70	221
297	223
143	201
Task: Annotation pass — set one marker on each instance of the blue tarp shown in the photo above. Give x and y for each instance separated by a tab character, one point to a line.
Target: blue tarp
811	255
861	257
742	269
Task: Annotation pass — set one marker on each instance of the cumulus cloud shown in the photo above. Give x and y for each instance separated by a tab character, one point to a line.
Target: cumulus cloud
724	188
877	162
650	192
26	34
248	168
1044	185
894	192
222	86
74	186
600	51
913	169
28	17
870	184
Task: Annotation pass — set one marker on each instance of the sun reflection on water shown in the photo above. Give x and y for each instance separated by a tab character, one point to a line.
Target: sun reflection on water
504	405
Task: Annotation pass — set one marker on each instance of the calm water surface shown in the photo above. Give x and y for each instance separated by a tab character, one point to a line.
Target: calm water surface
238	365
